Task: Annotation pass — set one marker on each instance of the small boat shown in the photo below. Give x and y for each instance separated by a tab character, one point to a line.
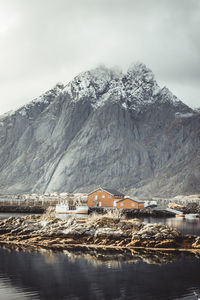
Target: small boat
64	208
180	216
191	216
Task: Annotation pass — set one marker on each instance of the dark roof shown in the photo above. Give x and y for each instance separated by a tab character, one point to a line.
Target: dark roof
134	199
113	192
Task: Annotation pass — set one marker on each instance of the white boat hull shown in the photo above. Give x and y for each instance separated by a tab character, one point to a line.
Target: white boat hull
191	216
64	209
75	212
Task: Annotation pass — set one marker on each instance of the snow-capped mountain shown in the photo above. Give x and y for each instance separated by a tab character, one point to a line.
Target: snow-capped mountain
133	90
103	128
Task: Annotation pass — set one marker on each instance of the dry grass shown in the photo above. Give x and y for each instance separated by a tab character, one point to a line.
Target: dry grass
49	213
109	215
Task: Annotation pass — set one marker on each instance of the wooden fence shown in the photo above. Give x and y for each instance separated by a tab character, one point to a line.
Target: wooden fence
28	202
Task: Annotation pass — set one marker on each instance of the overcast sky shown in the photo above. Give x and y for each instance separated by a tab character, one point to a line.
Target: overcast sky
43	42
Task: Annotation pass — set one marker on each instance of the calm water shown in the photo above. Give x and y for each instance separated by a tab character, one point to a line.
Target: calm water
83	276
31	275
185	226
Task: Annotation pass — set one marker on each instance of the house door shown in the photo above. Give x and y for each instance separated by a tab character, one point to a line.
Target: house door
96	200
99	203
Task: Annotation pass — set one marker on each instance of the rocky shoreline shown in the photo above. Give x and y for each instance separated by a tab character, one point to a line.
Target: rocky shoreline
95	232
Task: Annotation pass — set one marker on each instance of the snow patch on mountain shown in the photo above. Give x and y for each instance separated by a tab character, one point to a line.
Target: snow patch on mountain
44	99
47	96
7	114
132	90
184	115
168	96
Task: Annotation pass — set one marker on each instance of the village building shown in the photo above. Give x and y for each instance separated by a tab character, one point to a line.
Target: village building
129	203
103	197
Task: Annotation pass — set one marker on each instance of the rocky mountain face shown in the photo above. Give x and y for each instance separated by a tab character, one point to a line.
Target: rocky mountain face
103	128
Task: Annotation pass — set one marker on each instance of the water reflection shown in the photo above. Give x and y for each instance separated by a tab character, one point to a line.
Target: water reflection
111	257
185	226
93	275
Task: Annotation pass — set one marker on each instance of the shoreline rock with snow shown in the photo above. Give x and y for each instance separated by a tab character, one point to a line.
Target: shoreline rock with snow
94	232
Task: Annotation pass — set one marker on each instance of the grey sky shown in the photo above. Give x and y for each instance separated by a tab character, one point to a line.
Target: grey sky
43	42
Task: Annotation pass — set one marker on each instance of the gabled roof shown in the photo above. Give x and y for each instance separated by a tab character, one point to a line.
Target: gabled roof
132	199
113	192
110	191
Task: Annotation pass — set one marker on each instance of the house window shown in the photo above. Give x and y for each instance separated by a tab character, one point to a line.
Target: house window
108	196
105	202
133	204
103	196
90	197
99	191
121	204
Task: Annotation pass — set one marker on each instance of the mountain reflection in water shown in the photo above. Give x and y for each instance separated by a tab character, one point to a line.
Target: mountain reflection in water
94	275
